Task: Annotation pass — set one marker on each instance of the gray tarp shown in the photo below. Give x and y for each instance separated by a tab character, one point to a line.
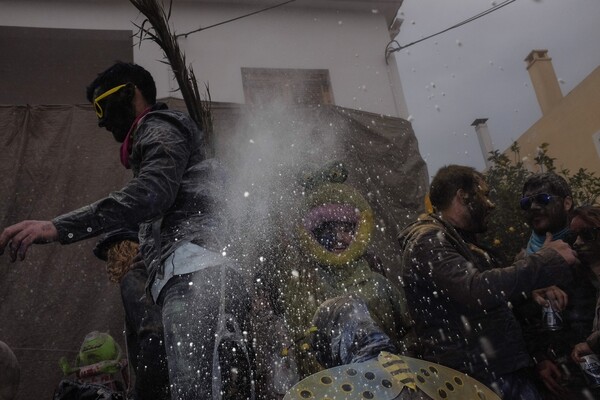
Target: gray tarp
54	159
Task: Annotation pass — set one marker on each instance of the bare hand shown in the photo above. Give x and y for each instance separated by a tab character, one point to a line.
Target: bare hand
22	235
562	248
551	296
580	350
550	374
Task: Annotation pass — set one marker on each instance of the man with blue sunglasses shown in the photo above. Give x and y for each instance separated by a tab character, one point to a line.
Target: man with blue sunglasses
547	203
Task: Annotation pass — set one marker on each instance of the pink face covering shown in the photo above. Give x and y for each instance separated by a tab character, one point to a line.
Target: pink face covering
128	142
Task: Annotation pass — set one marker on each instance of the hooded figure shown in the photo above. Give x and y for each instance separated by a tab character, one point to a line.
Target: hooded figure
327	284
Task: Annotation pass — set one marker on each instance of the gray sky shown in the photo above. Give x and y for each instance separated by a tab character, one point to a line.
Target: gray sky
477	70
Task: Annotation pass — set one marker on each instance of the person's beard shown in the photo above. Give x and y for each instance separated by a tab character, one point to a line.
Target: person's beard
122	115
123	124
120	132
478	213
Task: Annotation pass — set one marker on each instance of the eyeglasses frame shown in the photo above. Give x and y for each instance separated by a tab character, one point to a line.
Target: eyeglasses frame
98	107
527	201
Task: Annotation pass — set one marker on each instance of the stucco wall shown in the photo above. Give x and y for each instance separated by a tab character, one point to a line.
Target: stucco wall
569	128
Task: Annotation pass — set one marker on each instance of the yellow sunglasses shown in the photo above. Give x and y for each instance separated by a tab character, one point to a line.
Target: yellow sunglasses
99	110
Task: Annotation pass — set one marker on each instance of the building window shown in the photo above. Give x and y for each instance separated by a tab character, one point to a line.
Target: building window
291	86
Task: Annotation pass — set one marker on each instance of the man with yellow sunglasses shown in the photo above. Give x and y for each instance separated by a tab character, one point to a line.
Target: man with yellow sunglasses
99	110
113	109
170	199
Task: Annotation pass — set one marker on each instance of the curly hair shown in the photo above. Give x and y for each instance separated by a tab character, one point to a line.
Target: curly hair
120	259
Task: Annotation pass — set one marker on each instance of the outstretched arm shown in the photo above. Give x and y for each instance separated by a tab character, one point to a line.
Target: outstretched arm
456	277
19	237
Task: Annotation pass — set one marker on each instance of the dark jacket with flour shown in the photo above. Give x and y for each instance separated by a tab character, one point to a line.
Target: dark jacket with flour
170	195
460	300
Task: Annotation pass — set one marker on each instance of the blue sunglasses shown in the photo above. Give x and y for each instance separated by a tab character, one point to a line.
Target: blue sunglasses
541	198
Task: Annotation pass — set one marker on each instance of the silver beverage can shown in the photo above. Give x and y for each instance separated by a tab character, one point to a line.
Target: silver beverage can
551	319
591	369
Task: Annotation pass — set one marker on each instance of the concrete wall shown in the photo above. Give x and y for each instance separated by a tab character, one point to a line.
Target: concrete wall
350	44
54	66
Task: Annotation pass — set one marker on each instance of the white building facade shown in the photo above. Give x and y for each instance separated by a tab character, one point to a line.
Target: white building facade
337	45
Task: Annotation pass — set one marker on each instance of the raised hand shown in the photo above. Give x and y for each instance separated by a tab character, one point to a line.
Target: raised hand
562	248
19	237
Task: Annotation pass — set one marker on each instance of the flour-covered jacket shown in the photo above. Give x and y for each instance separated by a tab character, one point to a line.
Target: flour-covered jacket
170	196
460	300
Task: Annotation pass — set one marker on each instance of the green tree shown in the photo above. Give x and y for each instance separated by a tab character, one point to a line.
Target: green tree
507	230
543	160
508	233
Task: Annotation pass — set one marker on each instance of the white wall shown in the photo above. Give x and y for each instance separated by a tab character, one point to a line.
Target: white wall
350	44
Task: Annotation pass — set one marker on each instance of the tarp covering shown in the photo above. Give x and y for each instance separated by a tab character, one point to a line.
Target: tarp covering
54	159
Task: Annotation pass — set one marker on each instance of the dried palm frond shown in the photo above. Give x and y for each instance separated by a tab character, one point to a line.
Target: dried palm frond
156	28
